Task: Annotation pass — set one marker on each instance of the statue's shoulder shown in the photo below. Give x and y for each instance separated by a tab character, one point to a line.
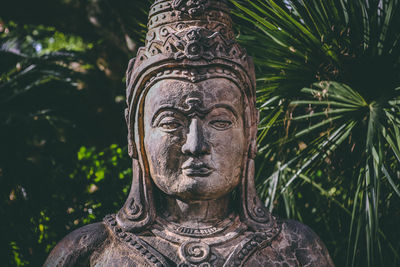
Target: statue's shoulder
76	248
299	233
287	243
308	248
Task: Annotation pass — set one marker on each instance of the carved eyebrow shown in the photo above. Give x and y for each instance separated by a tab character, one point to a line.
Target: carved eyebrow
191	110
228	107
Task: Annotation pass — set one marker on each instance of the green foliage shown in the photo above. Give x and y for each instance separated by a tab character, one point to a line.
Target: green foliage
52	104
28	130
60	41
62	92
329	79
105	178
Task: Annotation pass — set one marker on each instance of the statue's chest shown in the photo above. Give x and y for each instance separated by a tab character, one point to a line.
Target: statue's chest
246	250
191	254
161	246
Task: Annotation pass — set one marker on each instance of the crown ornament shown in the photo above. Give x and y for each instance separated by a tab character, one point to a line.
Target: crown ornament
190	29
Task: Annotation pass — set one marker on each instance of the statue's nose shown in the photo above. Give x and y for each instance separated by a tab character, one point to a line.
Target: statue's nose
195	143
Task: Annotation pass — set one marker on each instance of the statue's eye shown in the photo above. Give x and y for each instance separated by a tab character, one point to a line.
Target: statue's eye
169	124
221	124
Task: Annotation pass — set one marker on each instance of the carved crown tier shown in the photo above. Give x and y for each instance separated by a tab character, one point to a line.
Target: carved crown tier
191	29
191	41
167	11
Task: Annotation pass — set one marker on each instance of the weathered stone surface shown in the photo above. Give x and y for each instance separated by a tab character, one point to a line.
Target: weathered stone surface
192	126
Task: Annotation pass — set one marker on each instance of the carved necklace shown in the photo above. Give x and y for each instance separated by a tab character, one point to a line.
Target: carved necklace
195	243
199	231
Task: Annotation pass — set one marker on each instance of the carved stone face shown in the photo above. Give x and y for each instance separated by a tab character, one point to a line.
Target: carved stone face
194	137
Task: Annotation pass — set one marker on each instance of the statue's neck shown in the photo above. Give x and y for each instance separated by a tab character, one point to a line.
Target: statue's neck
195	213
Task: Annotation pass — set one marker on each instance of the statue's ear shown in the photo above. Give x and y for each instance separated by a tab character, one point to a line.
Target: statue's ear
253	135
131	143
132	151
138	211
129	71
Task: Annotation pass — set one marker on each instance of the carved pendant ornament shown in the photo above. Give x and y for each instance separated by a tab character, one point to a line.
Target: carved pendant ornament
194	253
192	129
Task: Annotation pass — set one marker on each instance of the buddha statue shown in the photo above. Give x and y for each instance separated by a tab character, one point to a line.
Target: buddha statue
192	126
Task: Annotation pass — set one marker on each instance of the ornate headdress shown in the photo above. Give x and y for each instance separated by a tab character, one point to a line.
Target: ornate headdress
192	40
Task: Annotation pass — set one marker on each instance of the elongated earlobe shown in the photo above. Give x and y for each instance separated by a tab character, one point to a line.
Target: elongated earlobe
253	212
139	210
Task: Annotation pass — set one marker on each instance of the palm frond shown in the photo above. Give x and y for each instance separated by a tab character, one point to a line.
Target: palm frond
332	68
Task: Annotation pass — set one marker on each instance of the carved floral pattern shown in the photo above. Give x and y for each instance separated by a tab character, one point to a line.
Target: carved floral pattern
194	43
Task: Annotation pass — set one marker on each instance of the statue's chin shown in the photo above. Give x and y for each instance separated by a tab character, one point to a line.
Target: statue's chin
194	186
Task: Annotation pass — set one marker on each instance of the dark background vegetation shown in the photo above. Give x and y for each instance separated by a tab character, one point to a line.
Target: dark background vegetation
328	155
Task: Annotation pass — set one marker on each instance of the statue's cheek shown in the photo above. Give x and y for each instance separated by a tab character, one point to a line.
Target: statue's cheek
227	142
164	149
160	140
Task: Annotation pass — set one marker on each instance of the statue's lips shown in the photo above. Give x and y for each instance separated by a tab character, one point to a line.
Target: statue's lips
196	169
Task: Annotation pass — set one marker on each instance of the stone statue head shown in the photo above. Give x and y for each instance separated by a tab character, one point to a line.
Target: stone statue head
191	114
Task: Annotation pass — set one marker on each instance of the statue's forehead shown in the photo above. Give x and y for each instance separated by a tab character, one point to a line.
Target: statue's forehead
209	92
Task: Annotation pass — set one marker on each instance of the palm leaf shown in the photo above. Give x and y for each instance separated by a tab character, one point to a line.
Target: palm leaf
332	70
